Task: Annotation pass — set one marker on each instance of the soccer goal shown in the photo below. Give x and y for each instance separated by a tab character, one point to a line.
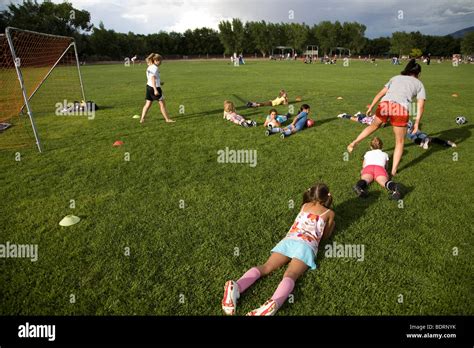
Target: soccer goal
38	73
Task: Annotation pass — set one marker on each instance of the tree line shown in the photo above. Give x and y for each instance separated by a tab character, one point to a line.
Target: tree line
250	38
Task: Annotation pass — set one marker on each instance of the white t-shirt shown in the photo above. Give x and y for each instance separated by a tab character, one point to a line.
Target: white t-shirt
375	158
402	89
152	70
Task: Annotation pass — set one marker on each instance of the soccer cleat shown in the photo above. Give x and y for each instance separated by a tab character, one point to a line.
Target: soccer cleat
282	136
268	133
249	104
244	124
452	144
341	115
395	195
231	295
254	123
269	308
359	191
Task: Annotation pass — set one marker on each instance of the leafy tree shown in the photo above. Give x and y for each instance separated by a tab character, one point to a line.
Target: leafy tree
416	53
467	44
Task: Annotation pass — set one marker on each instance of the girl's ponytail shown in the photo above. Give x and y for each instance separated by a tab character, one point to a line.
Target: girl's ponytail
412	68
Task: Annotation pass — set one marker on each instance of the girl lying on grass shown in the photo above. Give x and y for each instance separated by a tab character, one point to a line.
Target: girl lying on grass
230	114
359	117
299	122
422	139
298	249
282	99
374	167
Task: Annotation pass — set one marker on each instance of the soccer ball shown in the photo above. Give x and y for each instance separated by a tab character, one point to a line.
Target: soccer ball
460	120
309	123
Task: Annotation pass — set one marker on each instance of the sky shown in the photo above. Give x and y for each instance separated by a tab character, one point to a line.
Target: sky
382	17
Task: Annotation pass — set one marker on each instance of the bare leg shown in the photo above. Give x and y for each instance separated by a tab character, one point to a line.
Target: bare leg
274	262
267	103
400	133
382	180
368	178
295	269
146	107
164	112
364	134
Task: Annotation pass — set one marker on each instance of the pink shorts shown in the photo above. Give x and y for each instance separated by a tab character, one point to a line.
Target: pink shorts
375	171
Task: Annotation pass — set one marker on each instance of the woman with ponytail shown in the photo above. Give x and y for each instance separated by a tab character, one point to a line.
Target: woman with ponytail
298	249
396	99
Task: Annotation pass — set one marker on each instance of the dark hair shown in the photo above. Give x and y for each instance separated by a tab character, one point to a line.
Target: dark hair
272	110
318	193
412	68
304	106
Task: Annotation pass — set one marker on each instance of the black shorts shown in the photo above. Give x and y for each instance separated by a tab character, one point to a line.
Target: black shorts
150	93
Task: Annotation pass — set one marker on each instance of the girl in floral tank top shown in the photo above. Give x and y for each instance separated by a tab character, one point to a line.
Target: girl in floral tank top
298	249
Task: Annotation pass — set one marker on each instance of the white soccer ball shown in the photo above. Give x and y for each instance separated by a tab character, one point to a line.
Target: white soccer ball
460	120
272	124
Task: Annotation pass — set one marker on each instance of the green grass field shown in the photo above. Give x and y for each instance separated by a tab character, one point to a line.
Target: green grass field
234	214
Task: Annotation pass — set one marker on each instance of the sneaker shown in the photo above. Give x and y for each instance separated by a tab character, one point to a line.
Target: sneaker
231	295
426	143
341	115
244	124
359	191
282	136
254	123
452	144
395	195
249	104
269	308
267	133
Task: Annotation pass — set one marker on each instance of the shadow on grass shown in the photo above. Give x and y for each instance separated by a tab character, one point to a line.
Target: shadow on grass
458	135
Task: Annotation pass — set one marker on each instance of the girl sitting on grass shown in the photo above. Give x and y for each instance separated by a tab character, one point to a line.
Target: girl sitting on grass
282	99
230	114
314	222
153	87
275	120
299	122
374	167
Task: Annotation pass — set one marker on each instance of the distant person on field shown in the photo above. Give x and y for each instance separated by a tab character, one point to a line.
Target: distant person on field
282	99
153	87
396	97
314	222
231	115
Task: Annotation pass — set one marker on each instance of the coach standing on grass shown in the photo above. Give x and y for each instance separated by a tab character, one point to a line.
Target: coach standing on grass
396	96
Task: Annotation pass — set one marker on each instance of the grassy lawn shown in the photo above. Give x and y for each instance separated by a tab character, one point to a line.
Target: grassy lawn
234	214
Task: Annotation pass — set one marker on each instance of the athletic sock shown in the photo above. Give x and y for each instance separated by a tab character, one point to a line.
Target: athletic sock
287	132
250	277
283	290
362	184
391	186
275	130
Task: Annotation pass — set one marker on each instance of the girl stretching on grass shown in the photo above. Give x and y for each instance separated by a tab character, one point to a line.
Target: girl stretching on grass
374	167
299	122
396	98
423	140
281	99
153	87
314	222
231	115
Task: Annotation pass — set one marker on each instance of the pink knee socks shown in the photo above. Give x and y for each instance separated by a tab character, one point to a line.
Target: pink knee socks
250	277
283	291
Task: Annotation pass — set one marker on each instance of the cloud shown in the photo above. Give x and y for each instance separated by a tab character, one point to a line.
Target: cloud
438	17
